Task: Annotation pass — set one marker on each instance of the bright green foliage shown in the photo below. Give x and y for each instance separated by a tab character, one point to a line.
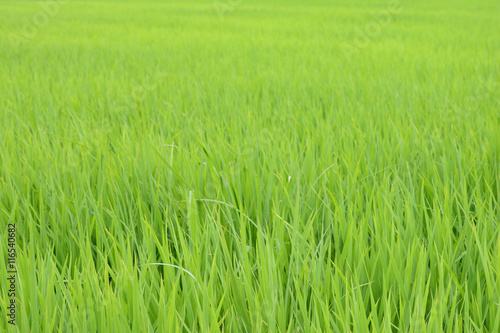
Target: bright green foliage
292	173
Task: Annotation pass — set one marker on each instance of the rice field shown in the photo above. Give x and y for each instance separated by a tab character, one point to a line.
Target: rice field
250	166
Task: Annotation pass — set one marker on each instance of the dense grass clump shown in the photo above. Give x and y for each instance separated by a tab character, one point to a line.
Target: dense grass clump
246	167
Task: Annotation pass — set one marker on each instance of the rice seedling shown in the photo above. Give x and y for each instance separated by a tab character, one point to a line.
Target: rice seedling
174	167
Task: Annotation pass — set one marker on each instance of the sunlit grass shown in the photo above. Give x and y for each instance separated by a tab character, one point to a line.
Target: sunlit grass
173	170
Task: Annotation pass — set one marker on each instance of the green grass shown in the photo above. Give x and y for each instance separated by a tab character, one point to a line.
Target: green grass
286	184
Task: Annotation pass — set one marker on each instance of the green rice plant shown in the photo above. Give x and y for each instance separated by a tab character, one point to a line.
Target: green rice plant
171	171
